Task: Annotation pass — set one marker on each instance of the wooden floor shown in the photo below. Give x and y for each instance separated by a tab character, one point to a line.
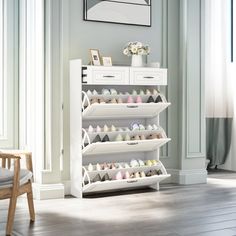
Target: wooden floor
202	210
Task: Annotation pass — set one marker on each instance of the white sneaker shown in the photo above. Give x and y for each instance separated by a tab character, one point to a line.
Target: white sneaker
105	92
89	93
90	167
155	127
118	138
127	137
149	127
134	92
98	129
134	163
141	127
113	128
95	92
105	128
90	129
113	91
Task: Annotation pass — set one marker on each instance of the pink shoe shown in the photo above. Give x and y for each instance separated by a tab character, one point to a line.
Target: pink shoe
139	99
127	175
130	100
118	176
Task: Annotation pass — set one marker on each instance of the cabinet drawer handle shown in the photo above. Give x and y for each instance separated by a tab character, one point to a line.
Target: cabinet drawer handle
108	76
132	181
148	77
130	106
133	143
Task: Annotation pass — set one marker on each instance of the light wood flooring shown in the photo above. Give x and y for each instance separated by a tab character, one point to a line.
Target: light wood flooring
202	210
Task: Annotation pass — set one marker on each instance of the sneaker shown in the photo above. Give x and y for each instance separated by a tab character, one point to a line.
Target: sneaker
105	166
152	136
112	166
93	101
158	99
113	101
134	92
150	100
126	165
98	167
154	162
97	139
105	139
90	167
155	127
136	137
137	175
135	126
90	129
159	136
101	101
159	172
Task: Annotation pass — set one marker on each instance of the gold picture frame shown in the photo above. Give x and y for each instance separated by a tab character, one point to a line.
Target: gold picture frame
95	57
106	61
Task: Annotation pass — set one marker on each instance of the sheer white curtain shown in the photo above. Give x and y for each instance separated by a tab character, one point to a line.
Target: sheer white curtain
220	85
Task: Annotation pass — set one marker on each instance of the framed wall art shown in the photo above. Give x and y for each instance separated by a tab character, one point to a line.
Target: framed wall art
130	12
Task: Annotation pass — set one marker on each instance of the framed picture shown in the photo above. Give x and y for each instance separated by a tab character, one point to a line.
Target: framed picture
129	12
95	57
107	61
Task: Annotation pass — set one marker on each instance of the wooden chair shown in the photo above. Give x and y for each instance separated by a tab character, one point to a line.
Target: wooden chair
14	183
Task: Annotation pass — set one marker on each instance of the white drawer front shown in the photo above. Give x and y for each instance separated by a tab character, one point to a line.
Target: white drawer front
148	76
109	76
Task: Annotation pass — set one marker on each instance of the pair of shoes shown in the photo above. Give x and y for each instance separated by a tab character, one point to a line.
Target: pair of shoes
152	127
137	163
119	138
154	136
136	126
99	129
89	93
137	100
153	172
138	175
97	100
138	137
151	99
98	139
151	163
109	91
98	178
115	101
122	165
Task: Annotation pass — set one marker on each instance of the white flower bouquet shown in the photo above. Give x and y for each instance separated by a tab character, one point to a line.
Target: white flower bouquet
136	48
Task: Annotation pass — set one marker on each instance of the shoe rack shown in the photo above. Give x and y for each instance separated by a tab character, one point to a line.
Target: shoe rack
115	134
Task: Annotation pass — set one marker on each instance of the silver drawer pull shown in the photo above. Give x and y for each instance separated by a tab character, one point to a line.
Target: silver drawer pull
130	106
108	76
148	77
132	181
133	143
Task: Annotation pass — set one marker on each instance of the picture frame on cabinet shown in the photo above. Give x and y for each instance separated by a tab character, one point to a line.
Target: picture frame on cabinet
95	57
107	61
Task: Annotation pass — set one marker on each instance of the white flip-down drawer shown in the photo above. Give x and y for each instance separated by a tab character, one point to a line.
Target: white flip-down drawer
107	75
148	76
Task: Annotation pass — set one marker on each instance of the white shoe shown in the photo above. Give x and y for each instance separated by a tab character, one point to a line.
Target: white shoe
141	127
127	137
113	128
141	92
148	92
126	165
105	92
149	127
89	93
118	138
134	92
90	167
105	128
134	163
155	127
135	126
155	92
95	92
98	167
113	92
90	129
98	129
141	162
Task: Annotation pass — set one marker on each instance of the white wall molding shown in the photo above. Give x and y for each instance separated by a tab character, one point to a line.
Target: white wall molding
48	191
185	177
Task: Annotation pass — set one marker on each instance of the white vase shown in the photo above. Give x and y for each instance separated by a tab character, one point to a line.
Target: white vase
137	60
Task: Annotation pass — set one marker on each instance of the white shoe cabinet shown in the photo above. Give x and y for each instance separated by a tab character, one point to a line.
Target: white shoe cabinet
83	114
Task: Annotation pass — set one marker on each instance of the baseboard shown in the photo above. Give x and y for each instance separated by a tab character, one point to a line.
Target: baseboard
67	187
48	191
185	177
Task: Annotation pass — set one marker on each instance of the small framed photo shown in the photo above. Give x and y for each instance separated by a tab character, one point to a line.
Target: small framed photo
107	61
95	57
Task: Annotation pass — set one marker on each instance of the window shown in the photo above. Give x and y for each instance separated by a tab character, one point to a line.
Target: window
8	73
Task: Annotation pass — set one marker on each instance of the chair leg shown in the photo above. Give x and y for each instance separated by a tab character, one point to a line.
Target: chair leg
31	204
11	214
